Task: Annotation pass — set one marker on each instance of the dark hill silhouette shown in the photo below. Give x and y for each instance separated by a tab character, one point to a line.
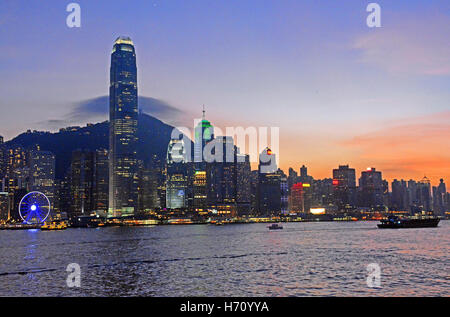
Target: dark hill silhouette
154	136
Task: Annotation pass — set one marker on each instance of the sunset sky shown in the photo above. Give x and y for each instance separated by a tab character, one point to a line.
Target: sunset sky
341	93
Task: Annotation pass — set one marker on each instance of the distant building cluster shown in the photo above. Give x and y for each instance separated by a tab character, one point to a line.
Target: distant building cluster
114	183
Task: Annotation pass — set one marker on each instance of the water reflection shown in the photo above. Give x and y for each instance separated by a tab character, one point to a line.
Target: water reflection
304	259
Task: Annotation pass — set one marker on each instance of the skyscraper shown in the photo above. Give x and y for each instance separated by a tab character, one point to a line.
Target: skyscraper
123	115
203	133
243	184
176	175
101	181
2	159
221	176
269	185
82	183
344	187
4	206
371	189
440	199
399	197
42	174
424	195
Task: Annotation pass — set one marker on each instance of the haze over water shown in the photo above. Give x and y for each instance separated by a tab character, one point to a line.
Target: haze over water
304	259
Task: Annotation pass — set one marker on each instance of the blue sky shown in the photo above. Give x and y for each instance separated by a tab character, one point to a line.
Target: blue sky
313	68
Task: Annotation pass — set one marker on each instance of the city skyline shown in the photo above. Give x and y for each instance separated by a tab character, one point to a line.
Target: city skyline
338	95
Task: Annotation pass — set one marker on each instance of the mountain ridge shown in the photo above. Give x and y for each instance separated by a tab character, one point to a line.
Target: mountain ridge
154	136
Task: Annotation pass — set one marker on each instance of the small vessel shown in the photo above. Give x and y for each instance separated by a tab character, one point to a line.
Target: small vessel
219	223
394	222
275	226
54	226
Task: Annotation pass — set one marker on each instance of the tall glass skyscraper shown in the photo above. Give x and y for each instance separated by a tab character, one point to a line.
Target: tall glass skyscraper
123	116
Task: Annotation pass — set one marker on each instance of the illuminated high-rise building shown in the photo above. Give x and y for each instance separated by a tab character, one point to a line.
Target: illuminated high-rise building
42	174
176	175
269	185
221	177
200	192
204	133
101	180
123	115
243	184
82	183
4	206
2	159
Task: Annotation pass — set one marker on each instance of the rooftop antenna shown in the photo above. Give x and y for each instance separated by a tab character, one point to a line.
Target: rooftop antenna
204	116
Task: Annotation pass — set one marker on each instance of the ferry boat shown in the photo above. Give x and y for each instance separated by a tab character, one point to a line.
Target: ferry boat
394	222
275	226
54	226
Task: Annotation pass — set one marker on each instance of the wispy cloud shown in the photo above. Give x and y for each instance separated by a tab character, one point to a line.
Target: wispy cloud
411	148
96	109
413	46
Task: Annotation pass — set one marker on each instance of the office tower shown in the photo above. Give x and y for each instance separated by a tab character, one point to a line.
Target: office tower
322	193
304	177
101	182
42	175
243	184
344	187
176	183
4	206
221	176
203	133
254	182
16	157
123	115
200	192
269	185
148	199
301	198
371	189
63	198
412	195
2	159
82	183
284	193
190	173
296	200
292	178
399	197
424	202
440	198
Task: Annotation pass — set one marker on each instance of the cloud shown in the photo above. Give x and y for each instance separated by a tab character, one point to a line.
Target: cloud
410	148
97	109
412	46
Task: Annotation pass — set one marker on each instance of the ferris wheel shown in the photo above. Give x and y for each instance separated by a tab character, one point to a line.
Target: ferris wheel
34	208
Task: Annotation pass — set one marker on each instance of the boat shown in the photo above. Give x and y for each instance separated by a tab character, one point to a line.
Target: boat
275	226
219	223
54	226
394	222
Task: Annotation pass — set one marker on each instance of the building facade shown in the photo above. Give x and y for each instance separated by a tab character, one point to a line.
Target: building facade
123	178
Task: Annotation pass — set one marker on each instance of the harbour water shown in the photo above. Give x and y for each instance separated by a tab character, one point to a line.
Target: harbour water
303	259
